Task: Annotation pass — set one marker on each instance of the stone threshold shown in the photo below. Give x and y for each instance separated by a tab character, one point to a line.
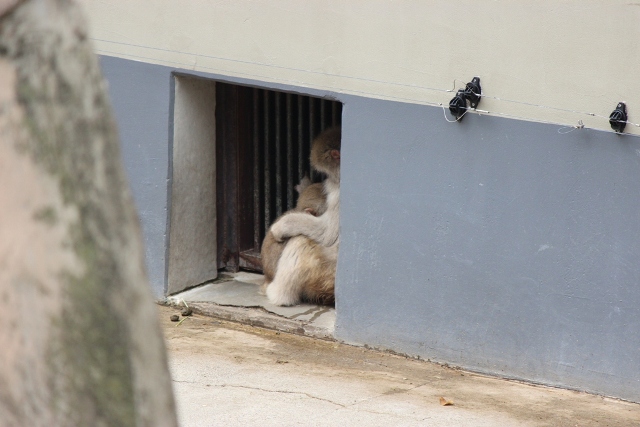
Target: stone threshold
236	297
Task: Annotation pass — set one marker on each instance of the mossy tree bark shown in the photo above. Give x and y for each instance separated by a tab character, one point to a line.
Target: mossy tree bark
80	343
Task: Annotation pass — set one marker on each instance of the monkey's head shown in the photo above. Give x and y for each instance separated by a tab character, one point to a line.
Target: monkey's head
325	153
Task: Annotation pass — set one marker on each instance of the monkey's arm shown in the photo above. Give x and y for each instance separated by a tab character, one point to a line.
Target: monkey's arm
298	223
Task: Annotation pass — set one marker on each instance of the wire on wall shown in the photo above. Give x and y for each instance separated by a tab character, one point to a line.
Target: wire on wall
189	65
618	119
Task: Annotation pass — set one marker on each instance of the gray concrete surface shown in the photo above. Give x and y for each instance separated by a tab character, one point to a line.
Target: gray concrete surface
497	245
242	290
141	98
228	374
192	248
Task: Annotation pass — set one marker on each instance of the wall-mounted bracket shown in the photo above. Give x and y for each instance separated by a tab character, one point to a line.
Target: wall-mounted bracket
618	119
458	105
471	94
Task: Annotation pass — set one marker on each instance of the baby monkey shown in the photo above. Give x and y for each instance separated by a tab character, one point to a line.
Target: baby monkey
311	200
311	197
306	268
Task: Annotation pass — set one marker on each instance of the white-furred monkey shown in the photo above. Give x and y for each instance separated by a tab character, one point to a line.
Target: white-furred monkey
307	267
312	201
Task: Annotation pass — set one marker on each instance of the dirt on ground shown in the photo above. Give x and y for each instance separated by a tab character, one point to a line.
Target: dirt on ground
383	375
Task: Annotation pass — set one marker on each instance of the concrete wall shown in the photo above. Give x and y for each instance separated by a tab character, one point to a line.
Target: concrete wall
192	246
497	245
141	97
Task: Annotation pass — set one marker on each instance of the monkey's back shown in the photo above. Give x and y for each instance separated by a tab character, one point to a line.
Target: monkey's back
314	199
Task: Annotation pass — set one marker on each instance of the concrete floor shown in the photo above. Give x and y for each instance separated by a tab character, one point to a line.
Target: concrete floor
238	297
230	374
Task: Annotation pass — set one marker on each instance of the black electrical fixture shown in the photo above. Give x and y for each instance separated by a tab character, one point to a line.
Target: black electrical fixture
618	119
471	94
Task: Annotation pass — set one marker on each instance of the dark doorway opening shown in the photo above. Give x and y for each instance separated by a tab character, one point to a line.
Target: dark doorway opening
263	138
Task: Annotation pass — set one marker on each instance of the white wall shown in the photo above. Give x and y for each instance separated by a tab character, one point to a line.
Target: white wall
565	55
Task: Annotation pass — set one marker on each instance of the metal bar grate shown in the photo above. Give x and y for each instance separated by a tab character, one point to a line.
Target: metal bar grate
279	128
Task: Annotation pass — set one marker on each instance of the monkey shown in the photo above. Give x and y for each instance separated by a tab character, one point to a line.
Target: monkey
311	200
307	267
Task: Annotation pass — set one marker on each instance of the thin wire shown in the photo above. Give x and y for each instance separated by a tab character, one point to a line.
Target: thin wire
336	89
530	104
554	108
444	111
511	116
580	125
377	95
412	86
240	61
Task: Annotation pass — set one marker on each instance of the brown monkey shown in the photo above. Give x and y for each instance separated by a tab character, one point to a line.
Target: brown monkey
312	201
307	267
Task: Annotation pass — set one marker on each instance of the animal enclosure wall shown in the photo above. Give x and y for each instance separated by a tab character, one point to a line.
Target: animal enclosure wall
497	245
504	246
141	96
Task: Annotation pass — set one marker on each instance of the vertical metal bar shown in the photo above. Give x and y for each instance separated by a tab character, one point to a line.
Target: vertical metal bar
267	162
334	113
301	137
323	114
245	154
312	132
257	234
227	145
290	153
312	121
279	165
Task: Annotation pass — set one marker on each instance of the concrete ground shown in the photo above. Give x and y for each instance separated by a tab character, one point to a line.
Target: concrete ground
238	297
229	374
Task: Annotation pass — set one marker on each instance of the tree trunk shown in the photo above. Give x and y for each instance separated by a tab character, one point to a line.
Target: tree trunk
80	344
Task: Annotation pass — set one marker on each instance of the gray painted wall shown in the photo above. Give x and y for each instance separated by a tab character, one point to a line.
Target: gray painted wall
141	97
497	245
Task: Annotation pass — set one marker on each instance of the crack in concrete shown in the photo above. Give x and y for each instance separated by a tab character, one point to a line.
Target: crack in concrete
396	391
320	313
279	391
400	416
389	414
349	406
304	313
264	389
